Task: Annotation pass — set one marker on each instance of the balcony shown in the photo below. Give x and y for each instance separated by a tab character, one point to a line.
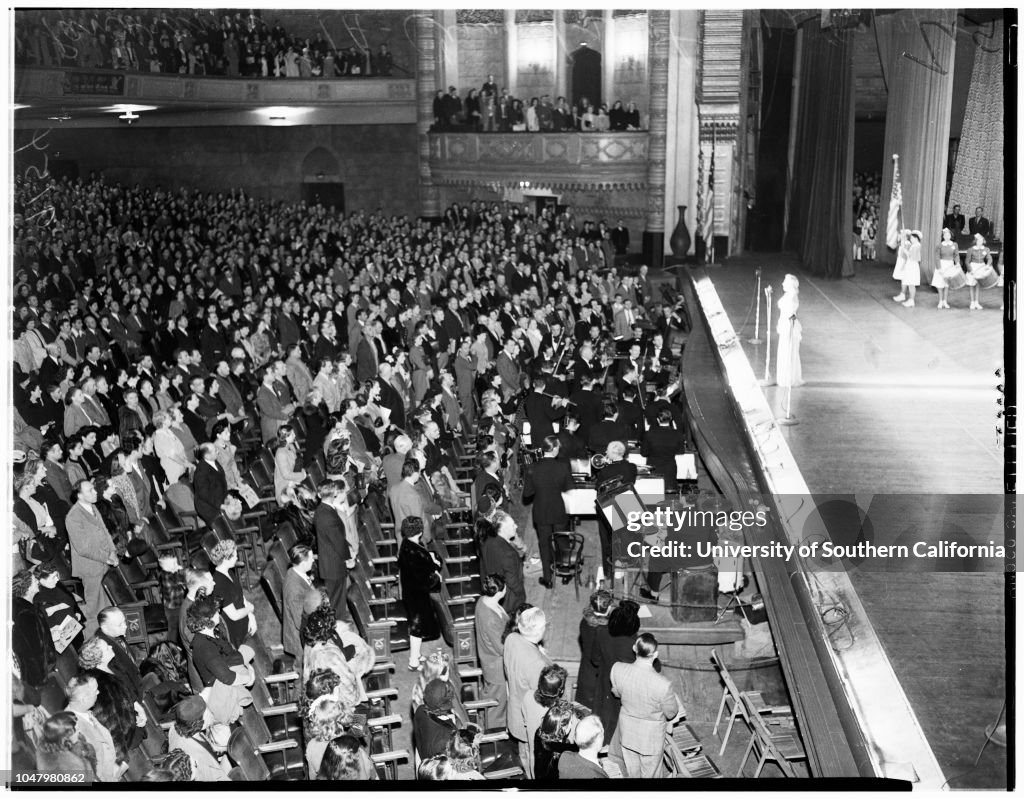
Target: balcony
552	161
87	96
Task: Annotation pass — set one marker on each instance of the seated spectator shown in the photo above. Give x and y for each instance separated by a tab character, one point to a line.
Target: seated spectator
464	756
326	720
63	751
435	769
221	667
195	733
346	759
83	692
434	721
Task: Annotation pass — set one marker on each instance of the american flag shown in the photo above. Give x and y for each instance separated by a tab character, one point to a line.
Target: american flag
892	228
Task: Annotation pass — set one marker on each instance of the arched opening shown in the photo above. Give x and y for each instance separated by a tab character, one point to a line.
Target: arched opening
586	75
321	180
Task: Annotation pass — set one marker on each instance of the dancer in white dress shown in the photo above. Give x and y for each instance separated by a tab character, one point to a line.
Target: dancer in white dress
787	363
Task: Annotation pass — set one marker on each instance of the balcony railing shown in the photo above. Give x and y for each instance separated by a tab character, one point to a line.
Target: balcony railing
71	85
562	161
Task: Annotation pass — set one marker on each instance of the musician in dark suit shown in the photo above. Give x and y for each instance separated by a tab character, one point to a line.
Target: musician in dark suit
616	468
570	445
955	221
588	402
630	414
608	429
545	481
979	224
333	553
209	484
660	446
542	410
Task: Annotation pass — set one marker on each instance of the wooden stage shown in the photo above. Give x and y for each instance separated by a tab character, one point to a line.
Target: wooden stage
902	401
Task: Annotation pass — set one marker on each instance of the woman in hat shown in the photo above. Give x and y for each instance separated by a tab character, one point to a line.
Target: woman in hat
908	268
418	569
434	721
593	624
949	275
191	734
980	272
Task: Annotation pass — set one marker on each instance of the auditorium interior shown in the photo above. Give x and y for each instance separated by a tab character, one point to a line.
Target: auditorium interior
344	247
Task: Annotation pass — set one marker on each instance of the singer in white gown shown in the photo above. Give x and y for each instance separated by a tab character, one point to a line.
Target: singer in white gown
787	363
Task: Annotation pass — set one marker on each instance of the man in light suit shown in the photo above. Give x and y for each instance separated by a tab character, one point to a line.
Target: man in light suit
297	596
92	551
407	500
465	379
649	705
524	660
332	546
273	412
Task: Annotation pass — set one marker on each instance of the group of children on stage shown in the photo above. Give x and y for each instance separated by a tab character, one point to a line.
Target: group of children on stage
981	274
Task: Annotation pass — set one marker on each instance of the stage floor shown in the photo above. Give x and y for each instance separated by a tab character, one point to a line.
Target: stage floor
901	401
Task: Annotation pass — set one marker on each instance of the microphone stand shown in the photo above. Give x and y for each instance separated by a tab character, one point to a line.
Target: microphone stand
767	381
757	315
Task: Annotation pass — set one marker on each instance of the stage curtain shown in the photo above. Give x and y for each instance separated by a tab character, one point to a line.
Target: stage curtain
822	230
919	46
979	169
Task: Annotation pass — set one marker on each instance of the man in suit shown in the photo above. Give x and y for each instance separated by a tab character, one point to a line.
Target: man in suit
209	484
113	626
979	224
955	221
332	546
488	463
92	551
212	343
542	410
545	481
508	369
273	411
608	429
56	475
465	379
389	396
289	331
589	402
649	705
524	660
366	355
623	319
407	500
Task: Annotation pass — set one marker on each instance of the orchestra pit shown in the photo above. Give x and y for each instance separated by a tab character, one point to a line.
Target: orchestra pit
519	396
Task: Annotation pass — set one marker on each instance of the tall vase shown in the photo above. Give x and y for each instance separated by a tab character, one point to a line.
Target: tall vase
680	241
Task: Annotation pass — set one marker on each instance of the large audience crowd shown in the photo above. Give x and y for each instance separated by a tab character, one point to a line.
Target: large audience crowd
232	43
165	340
866	189
491	110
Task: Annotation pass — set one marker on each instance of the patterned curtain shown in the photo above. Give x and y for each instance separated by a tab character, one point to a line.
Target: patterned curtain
979	169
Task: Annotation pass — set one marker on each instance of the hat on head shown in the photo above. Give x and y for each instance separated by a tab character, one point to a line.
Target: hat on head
438	696
190	709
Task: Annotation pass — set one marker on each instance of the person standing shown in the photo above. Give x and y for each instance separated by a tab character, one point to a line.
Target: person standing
297	594
335	556
418	570
524	660
787	362
979	270
92	551
949	275
545	482
978	224
907	270
490	620
649	705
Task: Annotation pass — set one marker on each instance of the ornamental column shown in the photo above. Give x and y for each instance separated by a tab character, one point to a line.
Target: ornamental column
659	36
426	88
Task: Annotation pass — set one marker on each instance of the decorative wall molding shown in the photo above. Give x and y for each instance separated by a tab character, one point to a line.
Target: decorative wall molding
719	75
555	161
50	84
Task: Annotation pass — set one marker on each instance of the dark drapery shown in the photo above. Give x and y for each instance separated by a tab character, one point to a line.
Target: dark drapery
917	48
821	230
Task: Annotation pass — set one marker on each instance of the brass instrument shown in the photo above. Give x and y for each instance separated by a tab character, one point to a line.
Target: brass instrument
598	462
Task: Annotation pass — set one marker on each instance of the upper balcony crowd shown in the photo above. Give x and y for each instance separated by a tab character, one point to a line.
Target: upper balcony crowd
204	42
